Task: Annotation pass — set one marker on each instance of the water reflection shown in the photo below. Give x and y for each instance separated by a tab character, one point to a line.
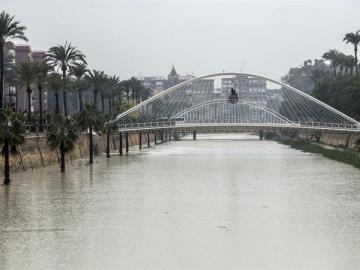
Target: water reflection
222	202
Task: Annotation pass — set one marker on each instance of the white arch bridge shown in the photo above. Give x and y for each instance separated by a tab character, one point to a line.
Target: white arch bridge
262	104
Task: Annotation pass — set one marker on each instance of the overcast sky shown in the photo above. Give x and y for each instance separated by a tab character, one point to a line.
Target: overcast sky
146	37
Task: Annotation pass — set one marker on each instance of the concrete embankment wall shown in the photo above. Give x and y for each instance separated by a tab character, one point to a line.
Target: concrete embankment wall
334	139
35	152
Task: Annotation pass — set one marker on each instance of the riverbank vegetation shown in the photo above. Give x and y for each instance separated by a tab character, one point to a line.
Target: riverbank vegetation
333	79
343	155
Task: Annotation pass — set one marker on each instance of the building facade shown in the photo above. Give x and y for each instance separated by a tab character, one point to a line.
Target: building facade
247	88
159	83
15	95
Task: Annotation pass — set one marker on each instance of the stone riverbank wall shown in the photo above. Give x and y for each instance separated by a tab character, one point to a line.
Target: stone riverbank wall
345	140
35	152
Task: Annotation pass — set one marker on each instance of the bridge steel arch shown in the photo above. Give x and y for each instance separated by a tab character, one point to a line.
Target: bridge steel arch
253	104
286	102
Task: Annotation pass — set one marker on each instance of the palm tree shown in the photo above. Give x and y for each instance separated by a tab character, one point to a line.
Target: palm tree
136	87
25	72
62	134
332	56
55	83
114	92
118	93
12	134
41	73
126	88
145	93
63	57
91	120
97	79
9	29
79	71
109	92
354	39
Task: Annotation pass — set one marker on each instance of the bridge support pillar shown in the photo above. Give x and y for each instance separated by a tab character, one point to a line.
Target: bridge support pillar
108	144
261	135
120	144
140	140
127	142
194	134
155	137
162	137
148	139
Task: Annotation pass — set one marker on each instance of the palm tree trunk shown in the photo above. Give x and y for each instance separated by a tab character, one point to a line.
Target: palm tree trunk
65	103
64	92
356	59
102	104
95	98
108	143
40	108
114	105
57	106
80	101
6	163
113	101
62	157
110	106
91	146
28	90
1	73
334	67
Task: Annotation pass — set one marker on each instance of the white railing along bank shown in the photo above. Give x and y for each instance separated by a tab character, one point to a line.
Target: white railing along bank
179	124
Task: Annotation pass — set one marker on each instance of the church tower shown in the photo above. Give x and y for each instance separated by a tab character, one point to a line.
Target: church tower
173	78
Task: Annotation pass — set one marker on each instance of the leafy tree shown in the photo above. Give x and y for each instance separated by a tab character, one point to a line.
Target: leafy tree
62	134
341	92
79	71
354	39
9	29
41	74
26	75
63	57
12	134
349	64
90	119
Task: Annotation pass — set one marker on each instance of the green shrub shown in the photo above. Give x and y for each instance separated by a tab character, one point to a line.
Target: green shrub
345	156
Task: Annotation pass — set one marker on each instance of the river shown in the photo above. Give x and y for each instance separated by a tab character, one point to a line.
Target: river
220	202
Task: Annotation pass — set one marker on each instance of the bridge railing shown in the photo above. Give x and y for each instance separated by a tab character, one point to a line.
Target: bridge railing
300	124
341	126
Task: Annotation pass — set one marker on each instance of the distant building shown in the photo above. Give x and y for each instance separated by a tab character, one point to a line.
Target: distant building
155	83
159	83
15	96
247	88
